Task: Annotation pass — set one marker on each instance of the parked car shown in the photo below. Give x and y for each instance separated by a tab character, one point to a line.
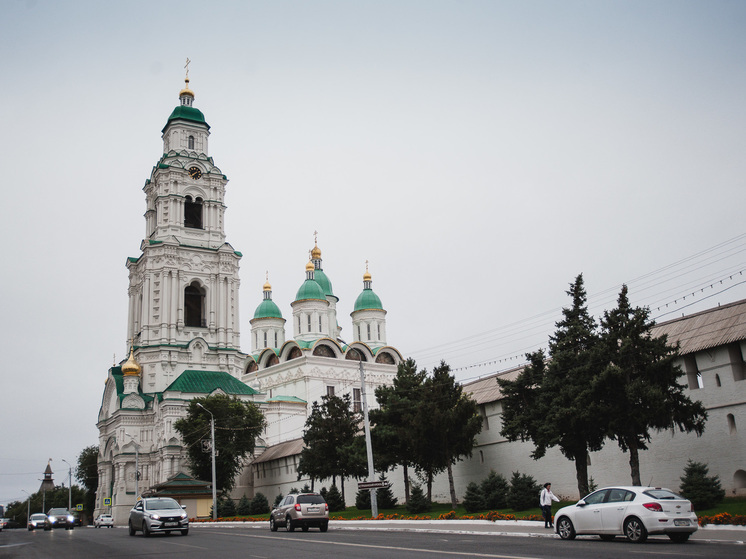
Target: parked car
39	520
103	520
4	522
158	514
631	511
300	510
60	517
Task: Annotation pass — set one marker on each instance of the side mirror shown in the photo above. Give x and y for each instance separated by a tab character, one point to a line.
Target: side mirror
183	506
580	503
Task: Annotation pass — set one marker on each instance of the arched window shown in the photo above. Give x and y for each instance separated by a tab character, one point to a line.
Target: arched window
323	351
354	355
193	212
252	366
294	353
731	424
191	142
385	358
194	305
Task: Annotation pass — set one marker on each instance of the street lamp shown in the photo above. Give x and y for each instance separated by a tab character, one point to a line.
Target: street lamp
28	509
212	436
137	465
70	484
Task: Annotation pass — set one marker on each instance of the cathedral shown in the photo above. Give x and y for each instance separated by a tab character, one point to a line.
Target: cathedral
183	335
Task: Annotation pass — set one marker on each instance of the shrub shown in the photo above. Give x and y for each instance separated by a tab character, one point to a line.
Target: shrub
334	499
494	489
473	498
524	492
417	500
226	507
244	506
384	497
702	490
278	499
305	489
259	504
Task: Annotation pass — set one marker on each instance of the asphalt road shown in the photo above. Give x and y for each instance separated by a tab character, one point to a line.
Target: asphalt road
257	542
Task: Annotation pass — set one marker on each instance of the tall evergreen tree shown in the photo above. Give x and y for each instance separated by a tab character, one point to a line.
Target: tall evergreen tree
552	401
393	437
639	387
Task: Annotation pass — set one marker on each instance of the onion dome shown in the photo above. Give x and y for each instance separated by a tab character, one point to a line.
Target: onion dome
310	289
131	368
185	111
367	299
186	90
319	274
267	308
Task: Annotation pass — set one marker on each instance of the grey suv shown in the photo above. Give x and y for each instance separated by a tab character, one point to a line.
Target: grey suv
158	514
300	510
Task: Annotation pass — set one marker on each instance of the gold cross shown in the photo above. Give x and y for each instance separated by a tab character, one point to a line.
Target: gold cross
187	67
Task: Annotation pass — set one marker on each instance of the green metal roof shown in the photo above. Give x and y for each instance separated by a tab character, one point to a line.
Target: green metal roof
320	277
310	290
267	309
293	399
368	300
182	112
206	382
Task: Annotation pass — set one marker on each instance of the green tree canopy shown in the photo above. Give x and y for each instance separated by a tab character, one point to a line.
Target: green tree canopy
237	425
86	472
639	386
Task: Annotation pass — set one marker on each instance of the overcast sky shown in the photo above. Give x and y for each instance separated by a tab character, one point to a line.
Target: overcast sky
479	154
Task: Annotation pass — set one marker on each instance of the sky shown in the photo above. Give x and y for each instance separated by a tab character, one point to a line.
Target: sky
478	155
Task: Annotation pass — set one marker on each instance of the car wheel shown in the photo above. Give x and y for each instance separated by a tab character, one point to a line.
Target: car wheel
607	537
132	528
185	531
635	530
145	529
272	524
289	526
565	529
679	538
324	527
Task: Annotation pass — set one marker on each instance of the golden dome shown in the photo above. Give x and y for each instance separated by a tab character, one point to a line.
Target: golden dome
131	367
186	90
315	252
267	286
309	266
367	276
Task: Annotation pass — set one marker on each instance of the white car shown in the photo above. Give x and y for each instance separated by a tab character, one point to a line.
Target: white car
631	511
103	520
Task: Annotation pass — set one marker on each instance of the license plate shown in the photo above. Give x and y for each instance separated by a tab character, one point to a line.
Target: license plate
313	509
681	523
170	524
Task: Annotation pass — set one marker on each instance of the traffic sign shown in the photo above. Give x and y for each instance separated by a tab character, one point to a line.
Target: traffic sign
78	507
372	484
107	501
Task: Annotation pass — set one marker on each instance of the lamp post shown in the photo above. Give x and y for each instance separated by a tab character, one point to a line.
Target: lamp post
28	509
137	464
70	486
212	451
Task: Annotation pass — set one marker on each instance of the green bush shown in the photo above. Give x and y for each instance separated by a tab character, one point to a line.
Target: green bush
418	501
244	506
334	499
226	507
259	504
524	492
494	489
473	498
384	497
702	490
278	499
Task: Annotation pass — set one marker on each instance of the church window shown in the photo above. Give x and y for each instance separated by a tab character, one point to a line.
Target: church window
193	212
319	324
194	305
330	391
276	344
731	424
252	366
191	142
354	355
294	353
323	351
385	358
357	401
368	331
379	331
265	339
309	322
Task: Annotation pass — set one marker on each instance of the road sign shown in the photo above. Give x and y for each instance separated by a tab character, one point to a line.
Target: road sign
107	501
78	507
372	484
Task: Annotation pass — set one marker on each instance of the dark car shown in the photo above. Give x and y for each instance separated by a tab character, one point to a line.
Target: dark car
301	510
60	517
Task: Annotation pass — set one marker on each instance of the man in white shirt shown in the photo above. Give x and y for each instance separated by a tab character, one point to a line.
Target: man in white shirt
545	501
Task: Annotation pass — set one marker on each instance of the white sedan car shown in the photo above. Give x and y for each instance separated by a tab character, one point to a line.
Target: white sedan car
631	511
104	520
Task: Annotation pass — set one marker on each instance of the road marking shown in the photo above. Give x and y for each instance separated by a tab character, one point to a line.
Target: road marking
14	545
390	547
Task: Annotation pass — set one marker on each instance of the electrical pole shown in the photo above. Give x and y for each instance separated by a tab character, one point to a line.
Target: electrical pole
368	445
214	487
69	489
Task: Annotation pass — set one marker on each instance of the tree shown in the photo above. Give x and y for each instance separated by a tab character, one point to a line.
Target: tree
552	402
334	499
524	492
392	434
237	425
418	502
702	490
259	504
446	427
494	490
86	473
244	506
329	440
473	498
639	386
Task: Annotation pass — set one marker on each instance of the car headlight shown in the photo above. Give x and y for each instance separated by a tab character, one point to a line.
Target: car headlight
70	518
155	516
52	518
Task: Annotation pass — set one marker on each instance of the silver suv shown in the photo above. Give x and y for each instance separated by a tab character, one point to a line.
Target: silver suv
158	514
300	510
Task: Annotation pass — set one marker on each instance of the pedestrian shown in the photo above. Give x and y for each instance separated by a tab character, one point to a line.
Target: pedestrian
545	501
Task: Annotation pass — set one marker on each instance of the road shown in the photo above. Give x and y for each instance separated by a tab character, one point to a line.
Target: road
257	542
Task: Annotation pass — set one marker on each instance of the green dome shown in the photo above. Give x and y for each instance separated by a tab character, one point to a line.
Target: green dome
320	277
310	290
367	300
267	309
183	112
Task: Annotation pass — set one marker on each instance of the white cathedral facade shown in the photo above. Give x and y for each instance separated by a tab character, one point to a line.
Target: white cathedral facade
183	334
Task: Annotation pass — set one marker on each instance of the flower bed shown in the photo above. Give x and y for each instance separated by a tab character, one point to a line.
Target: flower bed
723	518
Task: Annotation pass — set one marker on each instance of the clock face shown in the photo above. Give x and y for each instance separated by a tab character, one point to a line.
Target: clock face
194	172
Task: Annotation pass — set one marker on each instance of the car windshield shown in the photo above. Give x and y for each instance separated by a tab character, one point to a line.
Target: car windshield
162	504
310	499
58	511
661	494
38	516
